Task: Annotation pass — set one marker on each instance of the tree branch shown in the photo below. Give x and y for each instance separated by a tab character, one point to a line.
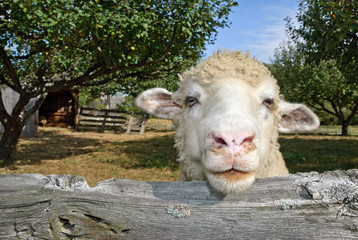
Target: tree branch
334	106
29	55
99	49
322	107
3	80
96	83
29	112
41	71
11	70
106	80
20	106
27	36
353	113
97	70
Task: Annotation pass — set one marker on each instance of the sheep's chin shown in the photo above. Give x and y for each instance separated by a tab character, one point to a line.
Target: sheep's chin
227	185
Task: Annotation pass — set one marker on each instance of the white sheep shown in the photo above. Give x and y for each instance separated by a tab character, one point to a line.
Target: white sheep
227	112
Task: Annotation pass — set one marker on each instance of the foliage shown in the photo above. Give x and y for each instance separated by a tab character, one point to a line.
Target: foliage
48	45
88	95
328	30
128	106
323	86
131	87
319	66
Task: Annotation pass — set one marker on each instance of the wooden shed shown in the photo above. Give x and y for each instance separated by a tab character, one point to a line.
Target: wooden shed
60	109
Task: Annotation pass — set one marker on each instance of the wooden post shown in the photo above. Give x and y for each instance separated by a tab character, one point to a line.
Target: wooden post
130	122
103	126
142	128
300	206
78	118
143	122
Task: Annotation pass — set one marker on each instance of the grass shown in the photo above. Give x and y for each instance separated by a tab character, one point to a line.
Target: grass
151	157
304	153
97	156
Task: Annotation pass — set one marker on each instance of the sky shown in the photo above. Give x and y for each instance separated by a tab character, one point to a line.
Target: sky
257	26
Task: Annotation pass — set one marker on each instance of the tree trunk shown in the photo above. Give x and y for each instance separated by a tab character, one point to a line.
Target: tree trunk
13	123
9	139
345	125
299	206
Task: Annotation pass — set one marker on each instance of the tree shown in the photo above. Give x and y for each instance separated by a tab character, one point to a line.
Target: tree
48	45
323	86
327	37
132	86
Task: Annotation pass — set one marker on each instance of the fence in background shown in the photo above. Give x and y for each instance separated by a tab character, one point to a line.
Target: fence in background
336	130
110	119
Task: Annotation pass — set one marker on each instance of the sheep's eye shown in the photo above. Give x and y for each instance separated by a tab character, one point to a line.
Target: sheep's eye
268	102
191	101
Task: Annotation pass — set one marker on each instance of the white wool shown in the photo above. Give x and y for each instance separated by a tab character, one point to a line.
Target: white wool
233	64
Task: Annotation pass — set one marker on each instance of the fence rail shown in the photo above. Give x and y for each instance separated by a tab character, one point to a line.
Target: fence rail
111	119
300	206
336	130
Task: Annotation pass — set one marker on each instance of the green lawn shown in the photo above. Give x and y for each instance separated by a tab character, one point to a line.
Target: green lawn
304	153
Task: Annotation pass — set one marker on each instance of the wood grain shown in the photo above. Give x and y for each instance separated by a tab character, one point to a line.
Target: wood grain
300	206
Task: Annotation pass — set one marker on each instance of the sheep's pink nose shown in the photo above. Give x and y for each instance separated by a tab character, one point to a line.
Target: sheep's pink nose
240	143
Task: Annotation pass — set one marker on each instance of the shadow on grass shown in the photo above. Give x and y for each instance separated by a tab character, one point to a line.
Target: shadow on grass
144	152
52	146
156	152
326	154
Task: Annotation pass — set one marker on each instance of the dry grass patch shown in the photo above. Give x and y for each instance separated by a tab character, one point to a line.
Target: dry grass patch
97	156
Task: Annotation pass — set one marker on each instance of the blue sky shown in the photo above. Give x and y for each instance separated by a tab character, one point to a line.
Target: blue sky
257	26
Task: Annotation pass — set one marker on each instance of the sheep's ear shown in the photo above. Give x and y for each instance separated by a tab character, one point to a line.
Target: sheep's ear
157	102
297	118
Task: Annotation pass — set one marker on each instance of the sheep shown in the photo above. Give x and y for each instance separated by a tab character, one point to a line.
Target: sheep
227	112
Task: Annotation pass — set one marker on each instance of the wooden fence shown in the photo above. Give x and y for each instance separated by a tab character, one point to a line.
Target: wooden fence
109	119
299	206
336	130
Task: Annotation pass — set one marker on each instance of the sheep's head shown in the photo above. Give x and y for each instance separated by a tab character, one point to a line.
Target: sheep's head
229	120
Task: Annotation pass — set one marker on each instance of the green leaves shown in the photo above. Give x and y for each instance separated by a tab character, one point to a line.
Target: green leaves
328	30
141	38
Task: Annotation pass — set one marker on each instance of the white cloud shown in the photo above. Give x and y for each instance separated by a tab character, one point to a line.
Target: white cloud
266	37
258	26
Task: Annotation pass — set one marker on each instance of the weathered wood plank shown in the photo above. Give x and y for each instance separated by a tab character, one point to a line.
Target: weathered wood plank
300	206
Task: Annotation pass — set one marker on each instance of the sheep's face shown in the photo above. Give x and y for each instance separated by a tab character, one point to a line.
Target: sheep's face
230	126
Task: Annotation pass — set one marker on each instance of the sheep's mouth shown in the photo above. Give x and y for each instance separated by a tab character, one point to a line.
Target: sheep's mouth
233	175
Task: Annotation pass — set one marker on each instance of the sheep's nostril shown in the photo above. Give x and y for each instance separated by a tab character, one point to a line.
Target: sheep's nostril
220	141
248	140
238	141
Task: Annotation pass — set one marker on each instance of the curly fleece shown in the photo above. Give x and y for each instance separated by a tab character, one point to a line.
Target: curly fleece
225	64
